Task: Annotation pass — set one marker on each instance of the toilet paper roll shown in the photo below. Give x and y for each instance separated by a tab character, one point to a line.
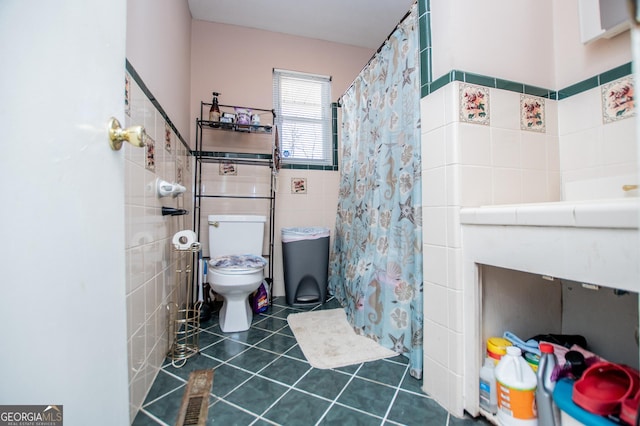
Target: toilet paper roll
183	240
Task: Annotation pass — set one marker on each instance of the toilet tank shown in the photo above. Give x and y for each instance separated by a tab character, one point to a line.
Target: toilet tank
235	234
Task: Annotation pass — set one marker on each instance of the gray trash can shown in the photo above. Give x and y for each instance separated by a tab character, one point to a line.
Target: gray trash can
305	258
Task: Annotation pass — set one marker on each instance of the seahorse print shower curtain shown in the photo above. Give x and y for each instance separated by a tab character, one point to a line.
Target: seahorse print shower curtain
375	268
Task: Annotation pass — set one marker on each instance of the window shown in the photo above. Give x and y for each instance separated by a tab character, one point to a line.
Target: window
303	114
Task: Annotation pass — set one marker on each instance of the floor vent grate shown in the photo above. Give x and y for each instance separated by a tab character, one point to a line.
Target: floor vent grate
195	400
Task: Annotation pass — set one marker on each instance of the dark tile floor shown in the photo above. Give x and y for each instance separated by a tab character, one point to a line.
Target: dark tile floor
262	378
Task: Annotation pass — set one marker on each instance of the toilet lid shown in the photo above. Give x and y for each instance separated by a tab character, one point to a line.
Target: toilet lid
238	262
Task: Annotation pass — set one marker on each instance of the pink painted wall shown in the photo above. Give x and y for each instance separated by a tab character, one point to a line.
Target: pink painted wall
575	61
536	42
238	63
158	37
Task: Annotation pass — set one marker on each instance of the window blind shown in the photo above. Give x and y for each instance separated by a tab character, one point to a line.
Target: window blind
303	114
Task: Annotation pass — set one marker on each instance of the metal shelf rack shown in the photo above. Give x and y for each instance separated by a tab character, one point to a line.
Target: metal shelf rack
233	137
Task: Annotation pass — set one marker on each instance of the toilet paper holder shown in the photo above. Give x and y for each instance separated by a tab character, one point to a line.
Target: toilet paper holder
184	305
185	240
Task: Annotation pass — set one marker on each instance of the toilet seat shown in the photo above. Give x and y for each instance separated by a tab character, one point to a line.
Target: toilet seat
237	264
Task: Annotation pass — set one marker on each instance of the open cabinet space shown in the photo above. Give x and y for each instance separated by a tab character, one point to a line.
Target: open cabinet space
528	305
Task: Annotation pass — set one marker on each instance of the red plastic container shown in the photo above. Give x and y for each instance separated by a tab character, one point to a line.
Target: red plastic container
630	408
604	386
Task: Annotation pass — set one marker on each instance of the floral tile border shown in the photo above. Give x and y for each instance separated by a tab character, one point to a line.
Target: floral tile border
179	168
167	137
532	113
618	100
149	146
474	104
127	94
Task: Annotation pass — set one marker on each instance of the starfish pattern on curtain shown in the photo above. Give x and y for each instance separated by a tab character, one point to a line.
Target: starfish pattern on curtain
375	269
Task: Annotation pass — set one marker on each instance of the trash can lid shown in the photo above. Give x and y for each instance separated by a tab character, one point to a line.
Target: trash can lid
304	233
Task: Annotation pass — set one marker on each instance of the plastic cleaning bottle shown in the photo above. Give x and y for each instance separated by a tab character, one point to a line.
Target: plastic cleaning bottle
488	395
548	411
516	388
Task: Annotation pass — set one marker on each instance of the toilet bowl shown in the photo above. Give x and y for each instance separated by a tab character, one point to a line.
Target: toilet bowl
236	267
235	277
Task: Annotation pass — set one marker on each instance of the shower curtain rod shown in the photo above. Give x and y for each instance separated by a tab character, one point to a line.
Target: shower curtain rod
376	52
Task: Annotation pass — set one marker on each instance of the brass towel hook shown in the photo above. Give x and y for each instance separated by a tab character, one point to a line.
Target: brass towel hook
135	135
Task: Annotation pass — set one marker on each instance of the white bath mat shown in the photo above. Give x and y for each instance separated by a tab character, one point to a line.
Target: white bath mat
328	340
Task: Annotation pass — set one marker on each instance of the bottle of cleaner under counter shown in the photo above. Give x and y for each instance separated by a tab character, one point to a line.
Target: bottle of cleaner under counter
488	394
548	411
516	387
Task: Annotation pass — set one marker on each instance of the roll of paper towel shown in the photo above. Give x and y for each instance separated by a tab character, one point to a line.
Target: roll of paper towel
183	240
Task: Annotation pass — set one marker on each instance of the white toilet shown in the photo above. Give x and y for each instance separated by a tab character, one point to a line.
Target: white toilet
236	267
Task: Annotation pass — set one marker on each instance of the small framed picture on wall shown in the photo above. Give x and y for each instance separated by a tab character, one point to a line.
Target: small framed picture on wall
298	185
228	168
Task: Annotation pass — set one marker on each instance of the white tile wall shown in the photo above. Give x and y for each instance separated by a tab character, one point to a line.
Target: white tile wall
436	194
434	266
505	147
595	159
463	165
150	259
576	157
475	185
437	311
505	109
474	142
507	185
454	318
579	112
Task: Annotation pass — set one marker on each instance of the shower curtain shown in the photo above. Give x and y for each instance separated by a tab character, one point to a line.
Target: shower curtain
375	270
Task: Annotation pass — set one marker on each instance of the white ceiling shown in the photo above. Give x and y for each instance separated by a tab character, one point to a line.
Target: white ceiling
364	23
